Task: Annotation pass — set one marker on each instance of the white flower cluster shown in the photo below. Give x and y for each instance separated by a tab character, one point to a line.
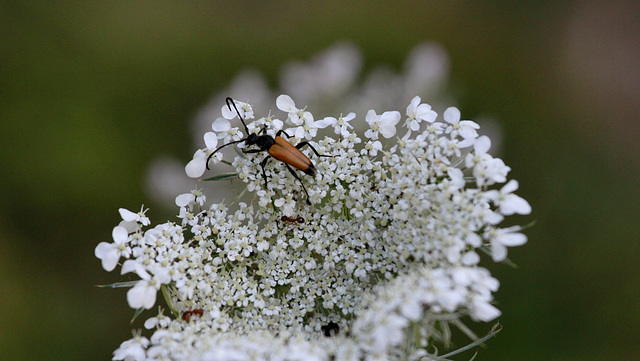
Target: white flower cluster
387	249
328	82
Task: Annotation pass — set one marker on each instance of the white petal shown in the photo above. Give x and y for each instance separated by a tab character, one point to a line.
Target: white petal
371	117
349	117
499	170
120	234
457	178
493	217
390	118
109	255
162	275
133	266
413	105
230	113
141	296
411	310
130	351
128	266
515	204
452	115
323	123
430	117
450	299
102	248
388	131
512	239
184	199
388	121
196	167
463	276
484	311
482	145
221	125
127	215
210	140
510	187
467	142
469	161
130	226
468	132
491	283
492	195
470	259
277	123
307	117
469	124
473	239
424	111
498	251
286	104
151	323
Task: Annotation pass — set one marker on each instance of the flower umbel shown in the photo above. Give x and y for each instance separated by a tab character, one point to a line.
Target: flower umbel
386	252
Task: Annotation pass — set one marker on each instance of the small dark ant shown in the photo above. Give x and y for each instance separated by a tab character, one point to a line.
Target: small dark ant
186	315
299	219
331	329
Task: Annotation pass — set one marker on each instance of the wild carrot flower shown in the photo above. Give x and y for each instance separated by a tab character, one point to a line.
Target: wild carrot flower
385	256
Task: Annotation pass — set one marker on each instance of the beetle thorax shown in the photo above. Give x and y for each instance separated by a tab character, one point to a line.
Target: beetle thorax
264	142
251	139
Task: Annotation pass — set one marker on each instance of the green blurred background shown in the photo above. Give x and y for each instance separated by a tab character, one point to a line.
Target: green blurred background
91	92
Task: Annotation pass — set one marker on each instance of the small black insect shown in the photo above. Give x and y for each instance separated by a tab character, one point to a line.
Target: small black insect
331	329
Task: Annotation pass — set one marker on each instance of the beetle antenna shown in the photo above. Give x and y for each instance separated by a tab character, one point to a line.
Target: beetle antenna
229	103
220	147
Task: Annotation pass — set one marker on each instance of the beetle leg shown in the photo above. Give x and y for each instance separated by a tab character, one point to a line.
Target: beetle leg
282	132
300	180
302	144
264	174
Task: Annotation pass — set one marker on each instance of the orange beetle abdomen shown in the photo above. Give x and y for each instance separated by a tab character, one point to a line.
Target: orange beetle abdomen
285	152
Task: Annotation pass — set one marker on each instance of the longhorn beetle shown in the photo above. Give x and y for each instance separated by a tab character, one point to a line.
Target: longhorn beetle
278	148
